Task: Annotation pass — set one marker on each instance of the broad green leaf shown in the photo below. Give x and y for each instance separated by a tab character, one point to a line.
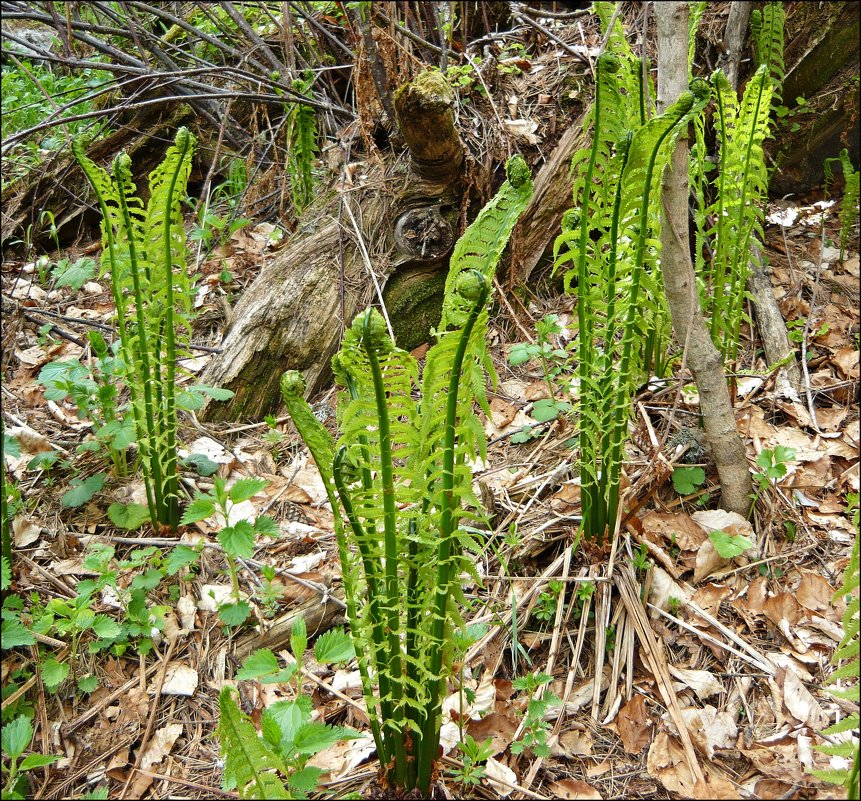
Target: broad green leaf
16	737
298	639
199	509
520	353
200	463
729	546
106	628
265	525
75	274
687	479
314	737
83	490
11	446
147	581
54	673
216	393
290	716
129	516
86	684
259	663
37	761
238	540
304	780
246	488
180	557
548	409
333	646
234	614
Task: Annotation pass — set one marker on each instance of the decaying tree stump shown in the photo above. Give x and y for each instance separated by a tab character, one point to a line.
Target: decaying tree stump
293	315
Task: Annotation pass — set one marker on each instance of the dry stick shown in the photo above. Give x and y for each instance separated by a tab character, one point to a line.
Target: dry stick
807	320
549	34
655	658
501	295
369	267
551	663
151	721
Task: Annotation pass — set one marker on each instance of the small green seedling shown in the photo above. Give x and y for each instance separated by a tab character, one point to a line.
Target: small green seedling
16	738
686	480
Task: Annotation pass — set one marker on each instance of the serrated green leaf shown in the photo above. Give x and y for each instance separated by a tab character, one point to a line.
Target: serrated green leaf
199	509
246	488
11	446
105	627
298	639
5	574
54	673
83	490
201	464
180	557
147	581
216	393
16	736
234	614
238	540
129	516
75	274
729	546
315	737
289	716
265	525
259	663
333	646
37	761
86	684
304	780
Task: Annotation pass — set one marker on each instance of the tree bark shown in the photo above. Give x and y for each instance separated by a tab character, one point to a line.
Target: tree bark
701	355
733	38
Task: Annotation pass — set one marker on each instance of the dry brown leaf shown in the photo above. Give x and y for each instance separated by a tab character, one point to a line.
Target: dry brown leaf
342	757
674	527
799	702
500	729
572	743
160	745
777	761
575	790
710	729
501	412
24	531
634	725
707	561
179	679
710	596
814	592
496	770
846	360
667	763
702	682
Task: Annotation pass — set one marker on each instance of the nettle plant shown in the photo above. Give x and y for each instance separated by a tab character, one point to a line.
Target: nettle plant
611	237
144	251
400	484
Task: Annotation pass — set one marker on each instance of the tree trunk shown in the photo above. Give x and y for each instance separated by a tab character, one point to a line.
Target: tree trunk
700	353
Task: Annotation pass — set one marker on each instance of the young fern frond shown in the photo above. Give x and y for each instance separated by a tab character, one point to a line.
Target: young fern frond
399	484
767	28
249	764
302	147
848	652
851	192
144	251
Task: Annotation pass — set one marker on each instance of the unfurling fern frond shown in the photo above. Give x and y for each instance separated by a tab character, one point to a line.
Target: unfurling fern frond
399	482
848	653
249	764
851	192
767	28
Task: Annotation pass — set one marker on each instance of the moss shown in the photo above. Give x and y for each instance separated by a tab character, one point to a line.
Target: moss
413	299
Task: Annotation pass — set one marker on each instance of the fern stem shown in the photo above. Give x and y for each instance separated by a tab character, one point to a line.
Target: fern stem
93	173
720	256
448	521
394	724
149	444
622	399
171	496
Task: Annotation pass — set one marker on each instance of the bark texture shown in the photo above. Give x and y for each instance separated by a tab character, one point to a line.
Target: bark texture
701	355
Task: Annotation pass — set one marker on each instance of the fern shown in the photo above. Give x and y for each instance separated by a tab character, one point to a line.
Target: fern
250	765
302	146
851	192
399	484
767	28
144	252
848	653
742	186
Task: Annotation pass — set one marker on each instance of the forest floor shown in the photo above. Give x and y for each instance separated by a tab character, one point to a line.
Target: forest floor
738	648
